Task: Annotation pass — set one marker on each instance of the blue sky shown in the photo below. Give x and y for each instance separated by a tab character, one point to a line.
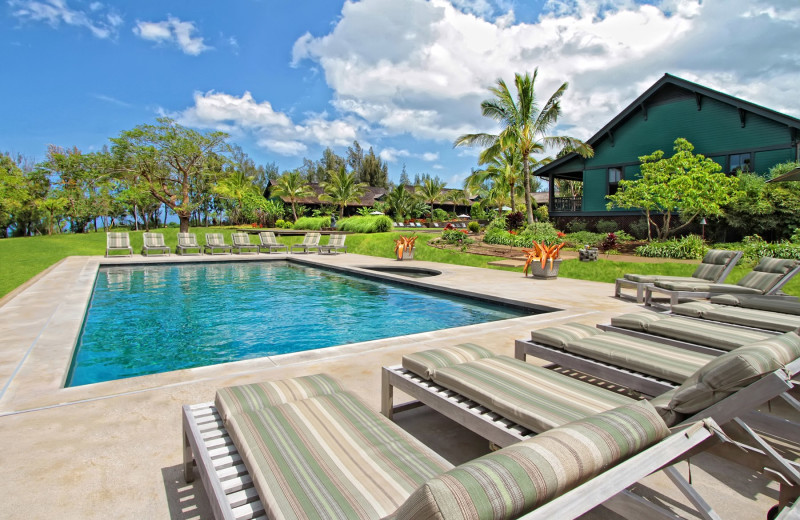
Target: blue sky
286	79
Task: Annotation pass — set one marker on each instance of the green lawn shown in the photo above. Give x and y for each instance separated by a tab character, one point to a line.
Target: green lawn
23	258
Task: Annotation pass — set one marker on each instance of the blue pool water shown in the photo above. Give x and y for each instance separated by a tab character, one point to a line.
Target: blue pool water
152	319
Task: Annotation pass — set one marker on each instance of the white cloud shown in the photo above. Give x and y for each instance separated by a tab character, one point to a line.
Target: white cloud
422	67
391	155
172	30
56	12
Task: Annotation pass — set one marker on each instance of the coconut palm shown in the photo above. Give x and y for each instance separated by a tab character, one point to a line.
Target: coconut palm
504	169
234	188
525	127
431	192
292	186
342	189
399	202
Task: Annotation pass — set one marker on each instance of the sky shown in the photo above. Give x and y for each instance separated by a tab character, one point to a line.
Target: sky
286	79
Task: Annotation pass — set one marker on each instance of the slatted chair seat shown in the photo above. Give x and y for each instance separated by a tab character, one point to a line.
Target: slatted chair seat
154	244
118	241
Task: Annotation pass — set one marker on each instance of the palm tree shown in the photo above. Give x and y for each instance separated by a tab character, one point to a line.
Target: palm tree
431	192
235	188
342	188
399	201
525	127
504	169
292	186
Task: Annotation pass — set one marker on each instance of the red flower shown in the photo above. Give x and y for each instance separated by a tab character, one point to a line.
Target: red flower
561	234
513	232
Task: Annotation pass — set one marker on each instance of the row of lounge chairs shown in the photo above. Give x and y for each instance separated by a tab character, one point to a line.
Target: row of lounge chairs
457	225
215	244
307	447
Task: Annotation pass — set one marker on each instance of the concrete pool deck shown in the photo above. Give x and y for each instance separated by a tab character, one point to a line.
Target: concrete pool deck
113	449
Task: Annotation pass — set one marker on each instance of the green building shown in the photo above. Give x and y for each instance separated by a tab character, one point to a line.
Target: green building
735	133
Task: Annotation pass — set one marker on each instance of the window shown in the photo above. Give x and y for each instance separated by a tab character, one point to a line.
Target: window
614	176
740	162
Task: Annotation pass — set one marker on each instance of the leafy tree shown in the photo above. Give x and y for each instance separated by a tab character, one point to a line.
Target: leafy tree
292	186
14	193
690	184
235	188
404	176
431	192
503	170
168	157
525	127
399	202
53	207
342	188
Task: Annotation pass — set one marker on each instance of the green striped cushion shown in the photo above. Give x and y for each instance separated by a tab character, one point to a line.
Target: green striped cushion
648	357
705	333
638	321
661	404
766	274
425	363
237	399
651	278
753	318
691	309
733	371
686	286
785	304
120	240
330	456
560	335
532	396
215	239
518	479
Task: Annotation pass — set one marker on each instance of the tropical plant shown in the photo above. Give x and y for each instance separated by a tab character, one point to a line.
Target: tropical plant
365	224
431	192
541	253
312	223
404	245
525	128
292	186
399	201
341	189
474	227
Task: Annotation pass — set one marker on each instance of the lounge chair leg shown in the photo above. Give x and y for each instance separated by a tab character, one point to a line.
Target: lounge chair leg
387	395
786	468
188	469
694	497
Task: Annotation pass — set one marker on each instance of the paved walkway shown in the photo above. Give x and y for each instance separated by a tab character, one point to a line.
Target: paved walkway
113	450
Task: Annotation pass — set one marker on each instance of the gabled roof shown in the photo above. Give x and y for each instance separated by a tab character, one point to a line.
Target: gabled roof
667	81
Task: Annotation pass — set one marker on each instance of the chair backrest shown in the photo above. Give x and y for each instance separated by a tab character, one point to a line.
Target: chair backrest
311	239
240	239
117	239
154	240
336	240
187	240
215	239
716	265
769	273
268	238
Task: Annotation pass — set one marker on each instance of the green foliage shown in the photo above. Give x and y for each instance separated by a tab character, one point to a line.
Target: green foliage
688	247
754	248
477	212
341	189
584	238
455	236
541	213
639	228
575	226
368	224
439	215
606	226
474	227
292	186
497	223
312	223
795	238
543	231
538	231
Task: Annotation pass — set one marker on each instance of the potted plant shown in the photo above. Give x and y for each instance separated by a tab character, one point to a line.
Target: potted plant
543	260
404	247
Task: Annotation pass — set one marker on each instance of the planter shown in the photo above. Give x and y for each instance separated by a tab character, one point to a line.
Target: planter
407	255
587	254
546	273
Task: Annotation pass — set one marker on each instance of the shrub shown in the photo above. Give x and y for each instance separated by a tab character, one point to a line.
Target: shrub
477	212
795	238
280	223
454	236
607	226
584	238
474	227
639	229
368	224
541	213
622	236
497	223
542	232
439	214
754	248
574	226
514	220
312	223
688	247
609	243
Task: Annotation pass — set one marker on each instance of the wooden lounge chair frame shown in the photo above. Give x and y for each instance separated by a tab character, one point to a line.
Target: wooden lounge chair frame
216	241
621	283
242	245
270	242
310	241
158	245
122	246
335	243
675	297
188	241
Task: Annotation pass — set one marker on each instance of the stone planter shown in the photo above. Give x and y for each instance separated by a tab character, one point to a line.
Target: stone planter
587	254
546	273
407	255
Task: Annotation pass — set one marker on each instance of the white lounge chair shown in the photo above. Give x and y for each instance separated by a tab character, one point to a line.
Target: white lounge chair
241	244
270	243
186	243
310	241
154	242
118	241
216	242
335	243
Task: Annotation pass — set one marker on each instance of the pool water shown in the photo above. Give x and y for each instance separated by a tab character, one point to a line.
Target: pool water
151	319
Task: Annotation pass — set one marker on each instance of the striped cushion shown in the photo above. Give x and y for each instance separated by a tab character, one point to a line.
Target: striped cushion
661	404
784	304
517	479
705	333
330	457
215	239
237	399
753	318
651	278
766	274
638	321
560	335
686	286
428	361
691	309
118	240
648	357
532	396
733	371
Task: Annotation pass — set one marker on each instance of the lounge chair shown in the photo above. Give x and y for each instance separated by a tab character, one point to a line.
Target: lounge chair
399	224
154	242
270	243
216	242
741	316
351	462
768	277
714	268
117	241
335	243
241	244
186	243
310	241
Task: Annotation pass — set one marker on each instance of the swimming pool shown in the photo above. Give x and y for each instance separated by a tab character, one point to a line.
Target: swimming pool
149	319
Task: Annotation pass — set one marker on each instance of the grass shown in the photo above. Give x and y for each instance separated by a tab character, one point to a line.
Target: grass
23	258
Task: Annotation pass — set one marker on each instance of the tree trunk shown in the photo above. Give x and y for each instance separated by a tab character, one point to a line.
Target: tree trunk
135	219
165	215
341	212
526	178
294	212
513	199
184	220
